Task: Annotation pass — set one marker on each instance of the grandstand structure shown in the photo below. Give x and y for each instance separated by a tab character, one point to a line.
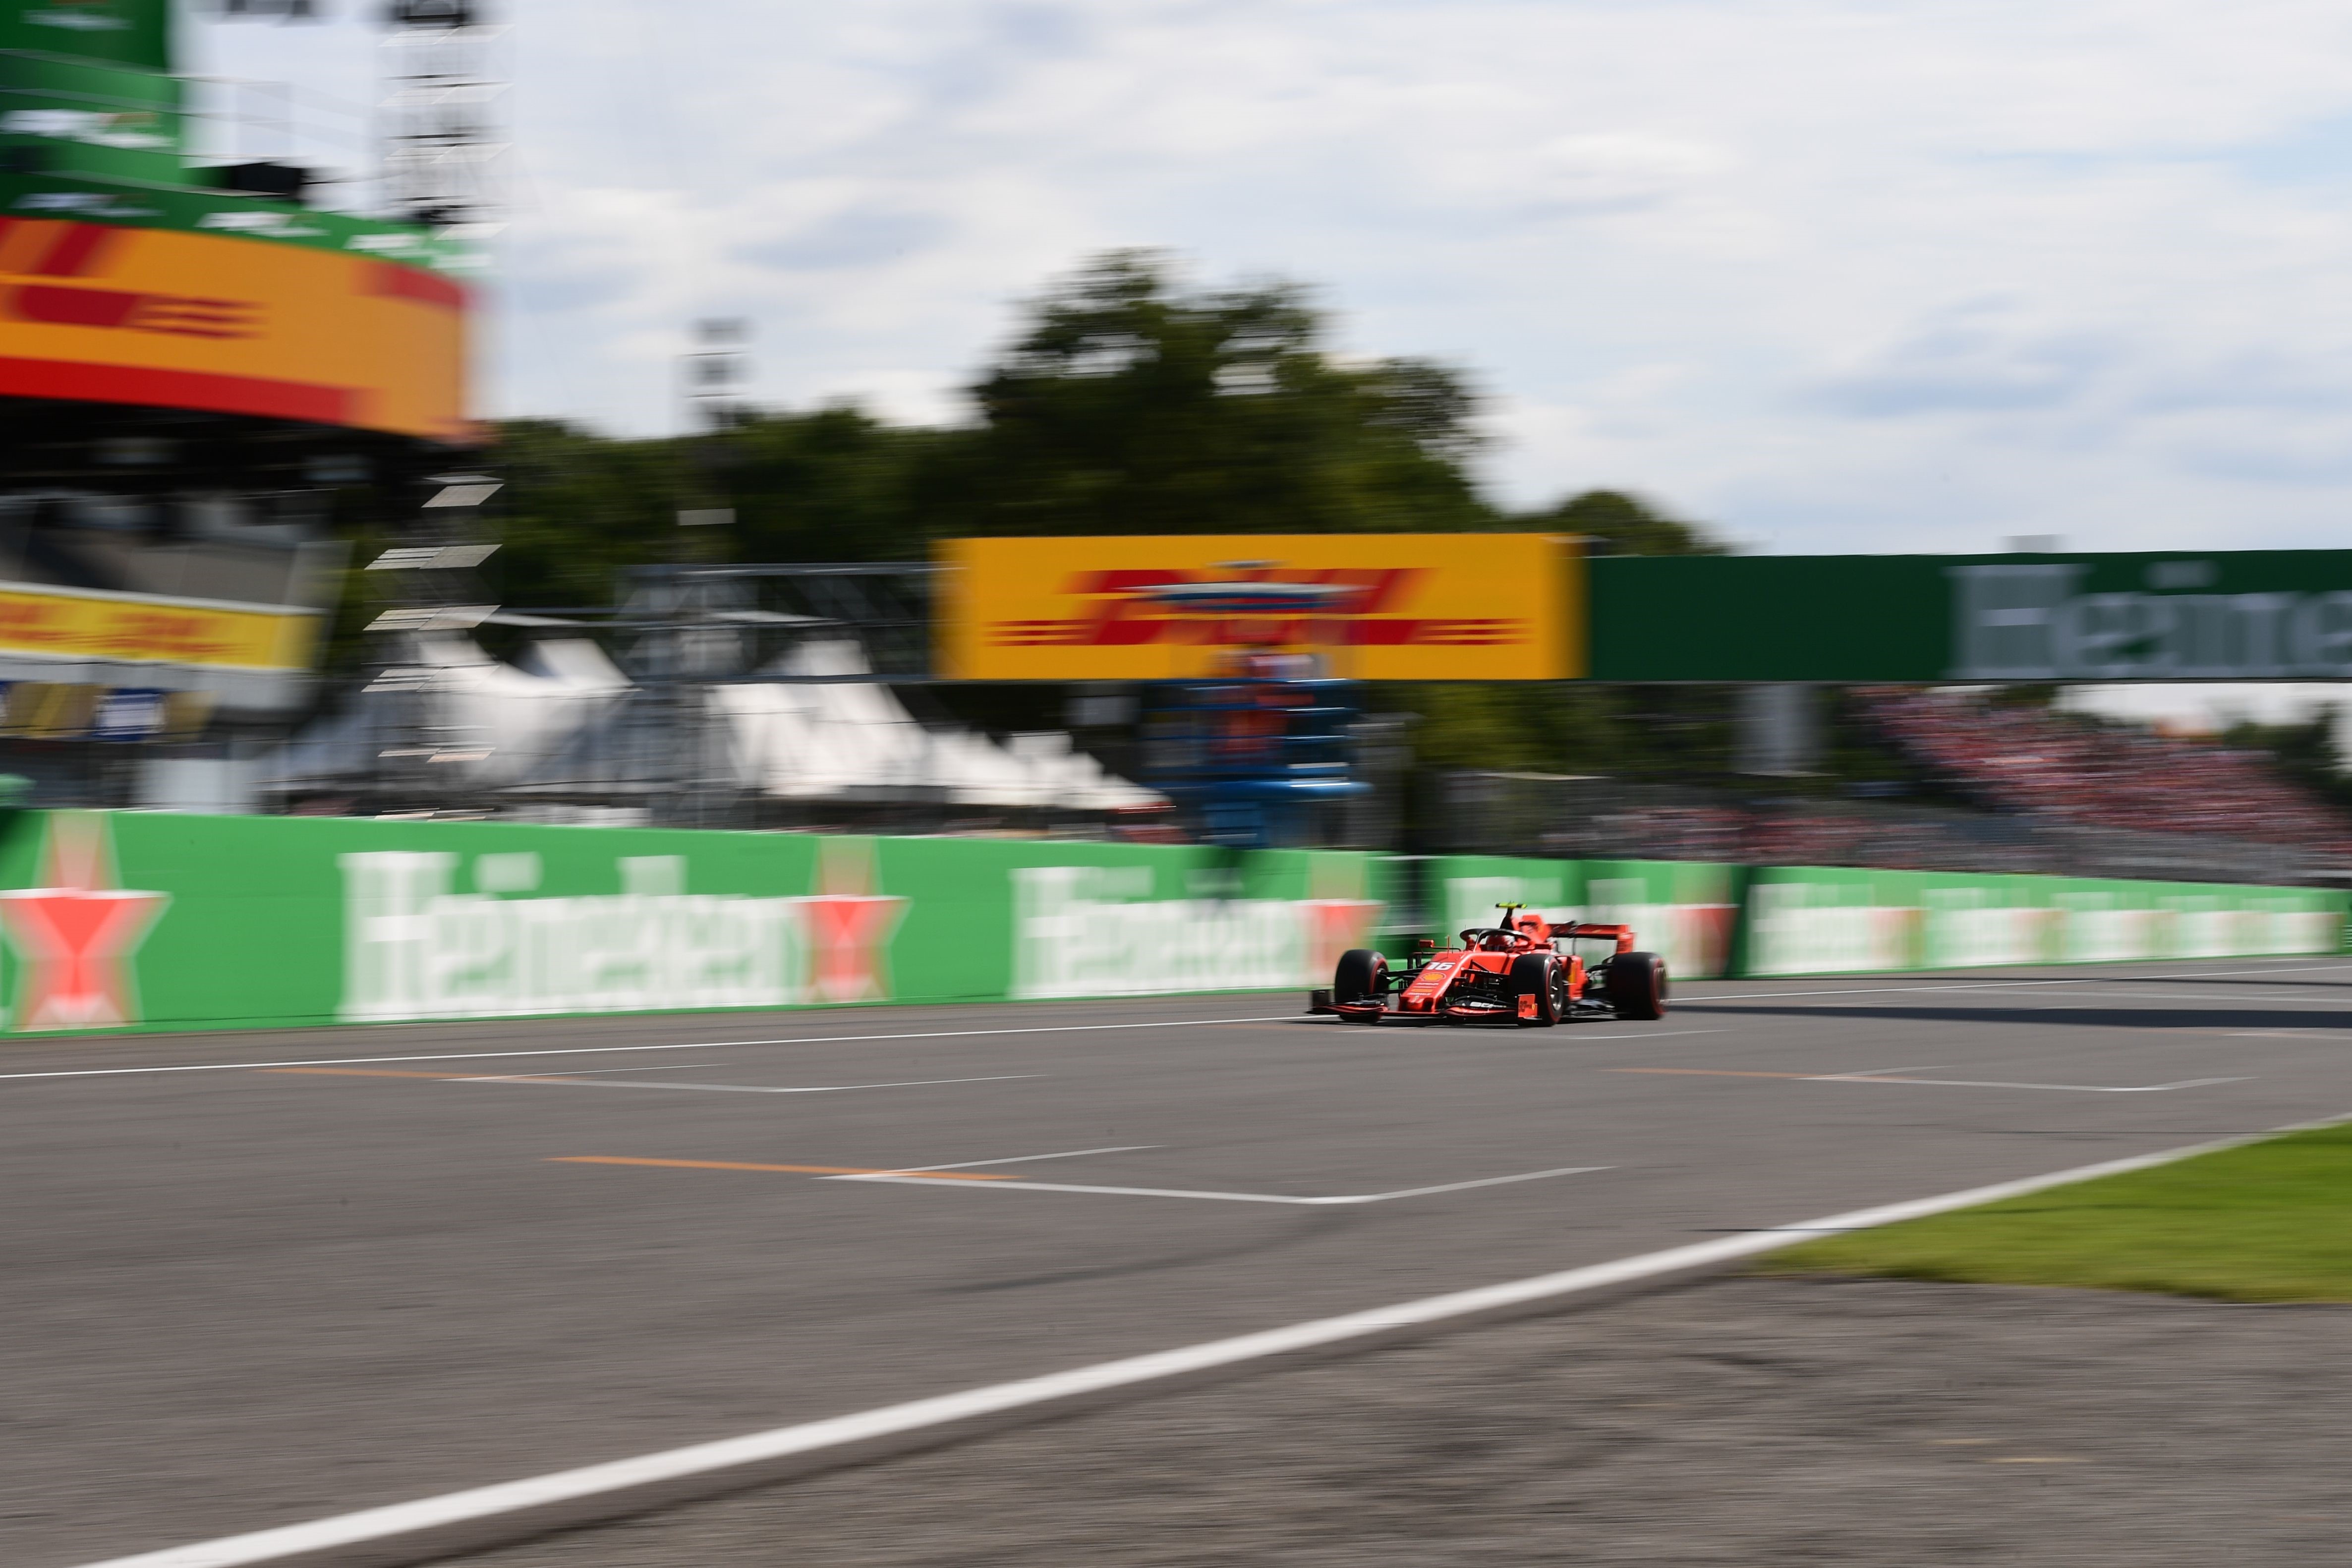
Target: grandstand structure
2044	792
2078	772
203	370
710	696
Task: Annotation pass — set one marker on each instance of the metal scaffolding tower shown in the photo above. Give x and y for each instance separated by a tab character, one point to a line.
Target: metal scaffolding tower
440	141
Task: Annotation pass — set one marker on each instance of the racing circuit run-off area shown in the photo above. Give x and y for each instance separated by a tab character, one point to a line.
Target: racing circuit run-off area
437	1291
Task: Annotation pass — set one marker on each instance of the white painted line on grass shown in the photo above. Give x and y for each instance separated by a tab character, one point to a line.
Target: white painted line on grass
607	1050
510	1510
914	1178
747	1087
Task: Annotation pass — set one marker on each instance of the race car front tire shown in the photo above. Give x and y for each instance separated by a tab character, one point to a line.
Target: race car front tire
1541	975
1363	976
1637	986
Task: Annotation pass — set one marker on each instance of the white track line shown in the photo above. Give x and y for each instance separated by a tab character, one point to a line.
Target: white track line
440	1526
912	1178
1661	1035
1014	1160
607	1050
746	1088
551	1075
2069	1088
1077	1028
2002	985
2187	999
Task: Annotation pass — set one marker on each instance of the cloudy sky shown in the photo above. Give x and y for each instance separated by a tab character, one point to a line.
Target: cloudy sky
1827	274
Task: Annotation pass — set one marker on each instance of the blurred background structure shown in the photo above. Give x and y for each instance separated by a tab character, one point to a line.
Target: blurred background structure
259	557
214	381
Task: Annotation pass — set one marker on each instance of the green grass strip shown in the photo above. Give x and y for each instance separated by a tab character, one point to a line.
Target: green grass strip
2267	1222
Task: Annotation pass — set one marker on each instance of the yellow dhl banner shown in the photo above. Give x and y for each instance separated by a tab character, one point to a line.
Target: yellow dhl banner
1373	606
107	314
128	628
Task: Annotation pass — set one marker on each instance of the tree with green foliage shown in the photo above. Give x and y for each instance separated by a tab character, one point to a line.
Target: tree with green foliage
1130	406
1621	524
2307	751
1128	401
1127	405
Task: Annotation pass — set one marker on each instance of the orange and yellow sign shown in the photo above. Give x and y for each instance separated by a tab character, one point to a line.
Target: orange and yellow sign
173	320
127	628
1373	606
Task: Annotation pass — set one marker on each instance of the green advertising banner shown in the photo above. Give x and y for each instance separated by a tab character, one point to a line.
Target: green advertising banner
143	919
68	117
146	203
1685	911
93	131
1832	920
124	32
2256	614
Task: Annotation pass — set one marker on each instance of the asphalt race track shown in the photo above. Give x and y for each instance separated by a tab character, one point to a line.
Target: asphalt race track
304	1278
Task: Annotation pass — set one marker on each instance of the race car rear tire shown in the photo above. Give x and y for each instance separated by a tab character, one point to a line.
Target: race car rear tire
1637	986
1539	974
1363	976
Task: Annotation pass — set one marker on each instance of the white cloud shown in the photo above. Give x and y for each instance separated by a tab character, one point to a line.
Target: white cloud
1833	273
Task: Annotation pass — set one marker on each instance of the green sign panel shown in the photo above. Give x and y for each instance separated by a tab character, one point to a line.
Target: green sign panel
145	920
1818	920
1762	920
158	921
70	117
127	32
2267	615
92	127
141	204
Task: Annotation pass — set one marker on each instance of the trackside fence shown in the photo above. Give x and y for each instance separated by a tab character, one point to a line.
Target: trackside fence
148	920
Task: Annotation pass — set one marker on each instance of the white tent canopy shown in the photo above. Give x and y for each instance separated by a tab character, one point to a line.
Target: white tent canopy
540	723
817	740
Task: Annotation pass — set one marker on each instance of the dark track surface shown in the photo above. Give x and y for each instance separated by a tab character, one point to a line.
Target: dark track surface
1743	1423
246	1297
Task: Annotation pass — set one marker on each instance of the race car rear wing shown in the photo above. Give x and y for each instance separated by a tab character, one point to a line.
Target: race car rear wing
1622	935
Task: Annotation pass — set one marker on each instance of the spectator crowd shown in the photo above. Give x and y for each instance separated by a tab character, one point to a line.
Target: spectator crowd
2078	772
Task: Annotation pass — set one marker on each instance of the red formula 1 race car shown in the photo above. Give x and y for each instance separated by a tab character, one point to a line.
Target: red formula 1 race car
1525	971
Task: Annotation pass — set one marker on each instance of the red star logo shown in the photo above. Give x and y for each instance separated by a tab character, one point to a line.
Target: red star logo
77	934
850	923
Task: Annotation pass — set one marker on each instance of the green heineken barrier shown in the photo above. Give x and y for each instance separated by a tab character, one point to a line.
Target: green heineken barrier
148	921
1711	920
1687	911
143	919
1829	921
